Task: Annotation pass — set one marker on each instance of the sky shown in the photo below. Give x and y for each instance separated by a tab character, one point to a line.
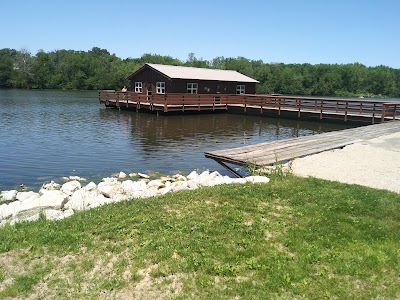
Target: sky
285	31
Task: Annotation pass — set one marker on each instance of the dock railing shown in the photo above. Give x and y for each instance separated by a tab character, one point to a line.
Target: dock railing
376	110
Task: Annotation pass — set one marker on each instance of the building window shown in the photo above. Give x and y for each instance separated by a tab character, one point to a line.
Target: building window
138	87
160	87
192	88
240	89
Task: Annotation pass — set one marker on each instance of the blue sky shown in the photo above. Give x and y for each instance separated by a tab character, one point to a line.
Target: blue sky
288	31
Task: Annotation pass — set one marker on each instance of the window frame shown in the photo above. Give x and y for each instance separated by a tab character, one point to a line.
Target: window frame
240	89
139	87
160	87
192	87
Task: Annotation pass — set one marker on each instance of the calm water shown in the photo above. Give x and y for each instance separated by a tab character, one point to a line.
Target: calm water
45	135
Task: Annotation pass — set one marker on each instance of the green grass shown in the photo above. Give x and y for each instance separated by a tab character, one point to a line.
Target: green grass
291	238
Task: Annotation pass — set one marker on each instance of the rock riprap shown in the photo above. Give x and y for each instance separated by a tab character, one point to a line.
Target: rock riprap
57	201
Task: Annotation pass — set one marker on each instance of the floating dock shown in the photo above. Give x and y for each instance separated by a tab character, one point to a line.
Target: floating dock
270	153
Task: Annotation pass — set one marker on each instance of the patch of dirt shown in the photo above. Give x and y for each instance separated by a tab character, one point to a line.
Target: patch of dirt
268	235
173	211
148	288
249	222
281	248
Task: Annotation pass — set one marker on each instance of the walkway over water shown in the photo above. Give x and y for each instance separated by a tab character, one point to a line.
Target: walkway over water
269	153
304	108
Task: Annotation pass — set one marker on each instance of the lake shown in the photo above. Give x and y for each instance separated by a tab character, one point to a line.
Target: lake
48	134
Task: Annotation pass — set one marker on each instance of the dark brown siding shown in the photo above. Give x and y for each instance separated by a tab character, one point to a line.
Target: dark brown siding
180	85
210	86
149	75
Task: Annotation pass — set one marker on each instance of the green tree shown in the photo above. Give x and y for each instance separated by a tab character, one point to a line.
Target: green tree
7	71
23	64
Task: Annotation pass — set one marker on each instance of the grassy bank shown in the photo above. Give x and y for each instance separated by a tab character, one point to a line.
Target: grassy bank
291	238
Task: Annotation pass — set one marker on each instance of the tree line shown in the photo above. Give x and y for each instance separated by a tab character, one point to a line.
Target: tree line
99	69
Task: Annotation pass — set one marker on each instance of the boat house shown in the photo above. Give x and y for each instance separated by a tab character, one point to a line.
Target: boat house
152	79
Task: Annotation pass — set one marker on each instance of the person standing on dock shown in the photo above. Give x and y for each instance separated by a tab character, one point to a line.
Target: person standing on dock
124	89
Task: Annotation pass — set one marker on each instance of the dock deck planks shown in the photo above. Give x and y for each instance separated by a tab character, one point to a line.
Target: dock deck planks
268	153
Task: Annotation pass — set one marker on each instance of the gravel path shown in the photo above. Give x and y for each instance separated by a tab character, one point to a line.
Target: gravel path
374	163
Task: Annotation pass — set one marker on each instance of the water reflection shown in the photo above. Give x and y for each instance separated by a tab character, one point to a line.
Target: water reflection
158	131
45	135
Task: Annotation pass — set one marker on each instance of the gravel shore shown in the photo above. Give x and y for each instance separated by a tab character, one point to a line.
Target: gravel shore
373	163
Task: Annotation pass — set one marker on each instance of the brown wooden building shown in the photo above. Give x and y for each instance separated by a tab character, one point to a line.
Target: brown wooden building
161	79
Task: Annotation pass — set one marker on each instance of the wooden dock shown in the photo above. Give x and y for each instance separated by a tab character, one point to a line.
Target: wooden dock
295	107
269	153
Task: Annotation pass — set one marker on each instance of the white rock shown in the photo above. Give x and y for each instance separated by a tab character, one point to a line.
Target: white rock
257	179
179	177
77	178
70	187
99	200
51	186
215	174
7	211
133	174
109	180
143	175
192	175
122	175
192	184
52	214
90	186
112	189
205	174
166	178
32	197
80	199
155	184
49	200
179	185
211	181
67	213
108	190
235	180
19	219
21	196
130	186
9	195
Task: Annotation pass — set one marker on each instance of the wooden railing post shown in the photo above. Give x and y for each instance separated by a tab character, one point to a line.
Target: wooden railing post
321	109
373	113
137	102
298	106
165	103
383	113
117	100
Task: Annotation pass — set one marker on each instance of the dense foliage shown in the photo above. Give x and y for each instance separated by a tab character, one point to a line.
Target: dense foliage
98	69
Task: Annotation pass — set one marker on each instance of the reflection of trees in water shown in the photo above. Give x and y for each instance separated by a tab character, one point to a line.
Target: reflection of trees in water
150	130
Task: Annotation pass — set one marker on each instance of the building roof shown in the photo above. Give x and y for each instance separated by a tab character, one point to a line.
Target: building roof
178	72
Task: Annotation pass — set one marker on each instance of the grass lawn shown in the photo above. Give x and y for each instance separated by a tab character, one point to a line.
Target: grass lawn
291	238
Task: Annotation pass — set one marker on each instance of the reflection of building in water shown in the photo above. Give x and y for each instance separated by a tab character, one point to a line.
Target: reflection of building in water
208	130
